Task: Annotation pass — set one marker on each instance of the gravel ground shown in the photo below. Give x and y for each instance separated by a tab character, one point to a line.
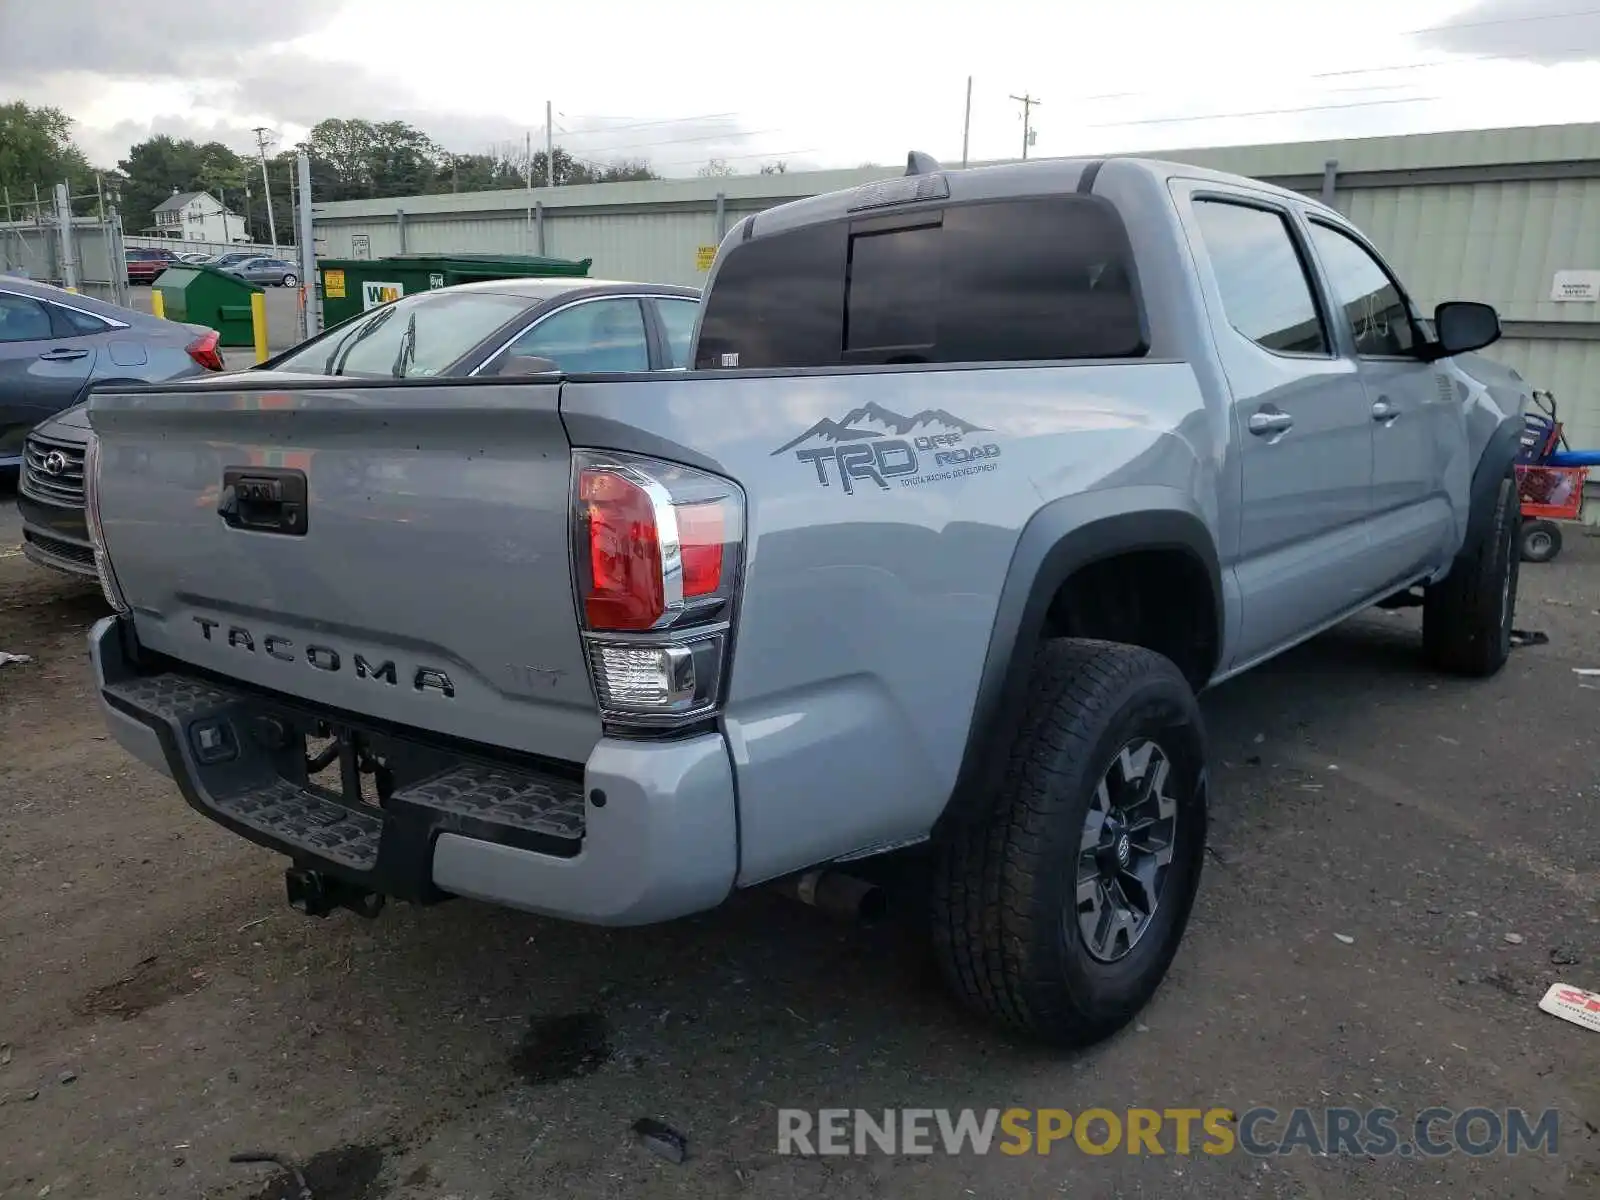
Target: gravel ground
1378	833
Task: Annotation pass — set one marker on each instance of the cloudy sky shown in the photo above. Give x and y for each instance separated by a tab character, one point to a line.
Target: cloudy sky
818	84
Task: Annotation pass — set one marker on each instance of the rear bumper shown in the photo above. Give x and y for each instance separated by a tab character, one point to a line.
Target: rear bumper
648	834
55	535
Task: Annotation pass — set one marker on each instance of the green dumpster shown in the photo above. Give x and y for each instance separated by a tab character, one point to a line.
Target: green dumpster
353	285
204	295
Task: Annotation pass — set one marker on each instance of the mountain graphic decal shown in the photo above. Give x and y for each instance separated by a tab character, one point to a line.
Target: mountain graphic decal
872	420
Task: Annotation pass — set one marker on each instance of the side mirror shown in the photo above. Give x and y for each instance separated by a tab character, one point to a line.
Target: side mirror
1462	325
526	364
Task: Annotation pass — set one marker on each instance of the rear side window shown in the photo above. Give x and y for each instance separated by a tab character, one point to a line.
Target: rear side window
411	338
22	319
677	319
78	322
1009	281
1265	288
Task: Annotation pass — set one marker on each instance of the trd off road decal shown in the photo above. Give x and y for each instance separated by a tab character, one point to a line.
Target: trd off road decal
873	444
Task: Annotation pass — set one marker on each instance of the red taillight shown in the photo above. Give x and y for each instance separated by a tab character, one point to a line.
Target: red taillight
701	532
658	550
656	542
627	588
204	351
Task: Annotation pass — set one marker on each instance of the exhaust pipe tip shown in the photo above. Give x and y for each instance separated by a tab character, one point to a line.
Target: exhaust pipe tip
839	895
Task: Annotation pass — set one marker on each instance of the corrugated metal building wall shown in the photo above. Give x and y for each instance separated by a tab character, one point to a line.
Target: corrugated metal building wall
1489	215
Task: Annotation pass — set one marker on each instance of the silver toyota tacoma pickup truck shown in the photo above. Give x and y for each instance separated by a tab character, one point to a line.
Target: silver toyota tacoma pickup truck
976	479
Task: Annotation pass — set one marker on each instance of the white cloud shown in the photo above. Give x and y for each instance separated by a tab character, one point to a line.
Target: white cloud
831	83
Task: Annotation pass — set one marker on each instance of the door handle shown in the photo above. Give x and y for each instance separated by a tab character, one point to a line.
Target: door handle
264	499
1266	422
1383	411
63	355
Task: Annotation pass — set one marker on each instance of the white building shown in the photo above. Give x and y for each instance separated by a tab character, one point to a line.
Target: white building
198	217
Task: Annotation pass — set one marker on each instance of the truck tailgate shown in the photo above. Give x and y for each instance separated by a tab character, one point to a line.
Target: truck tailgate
428	582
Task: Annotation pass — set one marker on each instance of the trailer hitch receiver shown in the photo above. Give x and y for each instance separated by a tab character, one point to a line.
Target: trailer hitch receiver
317	895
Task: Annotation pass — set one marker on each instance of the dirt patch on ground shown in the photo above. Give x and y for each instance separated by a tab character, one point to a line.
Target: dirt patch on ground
150	983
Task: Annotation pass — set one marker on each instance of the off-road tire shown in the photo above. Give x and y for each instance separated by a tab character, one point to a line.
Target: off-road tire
1467	616
1005	917
1540	541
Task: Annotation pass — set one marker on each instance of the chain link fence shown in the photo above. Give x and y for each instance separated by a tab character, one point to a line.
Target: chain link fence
43	241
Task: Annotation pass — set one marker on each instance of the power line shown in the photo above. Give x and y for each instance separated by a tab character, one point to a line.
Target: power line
730	136
640	124
1265	112
741	157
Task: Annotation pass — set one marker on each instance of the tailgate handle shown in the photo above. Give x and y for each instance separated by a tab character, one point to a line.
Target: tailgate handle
264	500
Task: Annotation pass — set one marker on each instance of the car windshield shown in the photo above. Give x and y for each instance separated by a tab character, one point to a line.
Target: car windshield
415	337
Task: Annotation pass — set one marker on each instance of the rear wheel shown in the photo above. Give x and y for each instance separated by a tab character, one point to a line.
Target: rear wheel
1541	541
1467	615
1059	910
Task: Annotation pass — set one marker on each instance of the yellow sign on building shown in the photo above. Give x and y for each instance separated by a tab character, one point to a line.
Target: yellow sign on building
333	284
704	256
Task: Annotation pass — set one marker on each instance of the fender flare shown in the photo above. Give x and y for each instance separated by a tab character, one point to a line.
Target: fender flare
1060	539
1498	457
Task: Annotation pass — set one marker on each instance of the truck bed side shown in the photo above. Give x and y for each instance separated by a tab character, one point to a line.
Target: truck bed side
870	599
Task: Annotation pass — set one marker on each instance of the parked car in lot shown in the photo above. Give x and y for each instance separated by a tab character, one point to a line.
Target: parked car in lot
229	258
277	271
471	329
496	326
145	263
976	479
53	345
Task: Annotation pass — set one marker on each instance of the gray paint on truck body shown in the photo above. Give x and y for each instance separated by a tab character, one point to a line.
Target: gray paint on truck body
887	599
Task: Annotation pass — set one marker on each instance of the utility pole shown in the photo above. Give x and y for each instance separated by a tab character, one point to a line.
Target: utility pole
69	251
1027	103
261	132
294	221
527	154
966	125
549	148
310	314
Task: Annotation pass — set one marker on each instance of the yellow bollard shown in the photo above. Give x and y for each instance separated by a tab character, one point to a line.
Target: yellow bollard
258	323
158	304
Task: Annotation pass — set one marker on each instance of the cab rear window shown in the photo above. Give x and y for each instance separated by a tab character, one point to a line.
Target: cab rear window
1005	281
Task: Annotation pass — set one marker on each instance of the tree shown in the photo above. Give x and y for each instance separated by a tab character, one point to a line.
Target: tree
508	165
775	168
354	159
162	165
715	169
36	149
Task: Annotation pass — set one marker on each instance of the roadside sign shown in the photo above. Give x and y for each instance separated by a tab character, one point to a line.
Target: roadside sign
1580	287
375	292
704	256
333	283
360	245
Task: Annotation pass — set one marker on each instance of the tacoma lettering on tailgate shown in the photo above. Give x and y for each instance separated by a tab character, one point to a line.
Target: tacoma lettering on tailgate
323	657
